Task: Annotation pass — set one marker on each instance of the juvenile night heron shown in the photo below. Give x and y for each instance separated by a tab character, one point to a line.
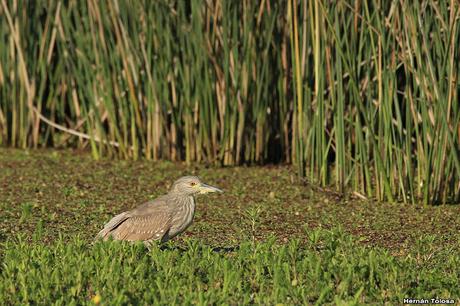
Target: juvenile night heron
161	219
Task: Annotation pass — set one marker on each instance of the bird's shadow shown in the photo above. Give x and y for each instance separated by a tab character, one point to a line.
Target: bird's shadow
228	249
220	249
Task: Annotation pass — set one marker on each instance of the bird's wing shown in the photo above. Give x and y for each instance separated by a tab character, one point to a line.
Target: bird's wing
149	221
160	204
112	224
144	227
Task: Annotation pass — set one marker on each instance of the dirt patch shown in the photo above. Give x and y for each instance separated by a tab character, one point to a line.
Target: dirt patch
67	193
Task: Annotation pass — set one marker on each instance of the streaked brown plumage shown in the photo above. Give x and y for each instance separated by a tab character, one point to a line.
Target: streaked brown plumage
161	219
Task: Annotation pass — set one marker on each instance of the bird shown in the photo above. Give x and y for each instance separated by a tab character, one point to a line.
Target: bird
160	219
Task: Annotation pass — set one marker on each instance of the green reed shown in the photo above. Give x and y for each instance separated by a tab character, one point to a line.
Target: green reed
362	95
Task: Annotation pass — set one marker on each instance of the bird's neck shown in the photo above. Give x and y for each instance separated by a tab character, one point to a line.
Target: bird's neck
187	206
188	200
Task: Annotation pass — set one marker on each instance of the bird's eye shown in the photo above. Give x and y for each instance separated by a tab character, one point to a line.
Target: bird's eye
192	184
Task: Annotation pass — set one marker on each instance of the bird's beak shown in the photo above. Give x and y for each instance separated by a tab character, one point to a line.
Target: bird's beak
207	189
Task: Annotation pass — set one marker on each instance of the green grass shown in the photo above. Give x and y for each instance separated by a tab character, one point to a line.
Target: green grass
270	238
325	267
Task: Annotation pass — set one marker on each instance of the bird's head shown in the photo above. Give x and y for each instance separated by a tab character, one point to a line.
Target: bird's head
191	185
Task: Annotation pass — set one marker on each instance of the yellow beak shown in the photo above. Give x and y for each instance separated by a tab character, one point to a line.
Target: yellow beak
208	189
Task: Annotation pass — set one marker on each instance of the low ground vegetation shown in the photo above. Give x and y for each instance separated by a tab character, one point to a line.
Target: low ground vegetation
270	238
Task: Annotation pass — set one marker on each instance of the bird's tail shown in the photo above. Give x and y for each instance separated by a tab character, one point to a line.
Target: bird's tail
111	225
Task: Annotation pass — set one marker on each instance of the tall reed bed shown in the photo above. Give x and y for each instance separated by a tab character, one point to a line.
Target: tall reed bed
362	95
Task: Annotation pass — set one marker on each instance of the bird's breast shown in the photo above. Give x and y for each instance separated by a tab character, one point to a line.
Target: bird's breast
183	216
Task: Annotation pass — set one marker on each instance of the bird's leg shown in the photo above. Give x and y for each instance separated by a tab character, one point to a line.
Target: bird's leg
148	244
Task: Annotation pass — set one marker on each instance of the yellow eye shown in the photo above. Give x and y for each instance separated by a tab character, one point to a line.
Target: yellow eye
192	184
